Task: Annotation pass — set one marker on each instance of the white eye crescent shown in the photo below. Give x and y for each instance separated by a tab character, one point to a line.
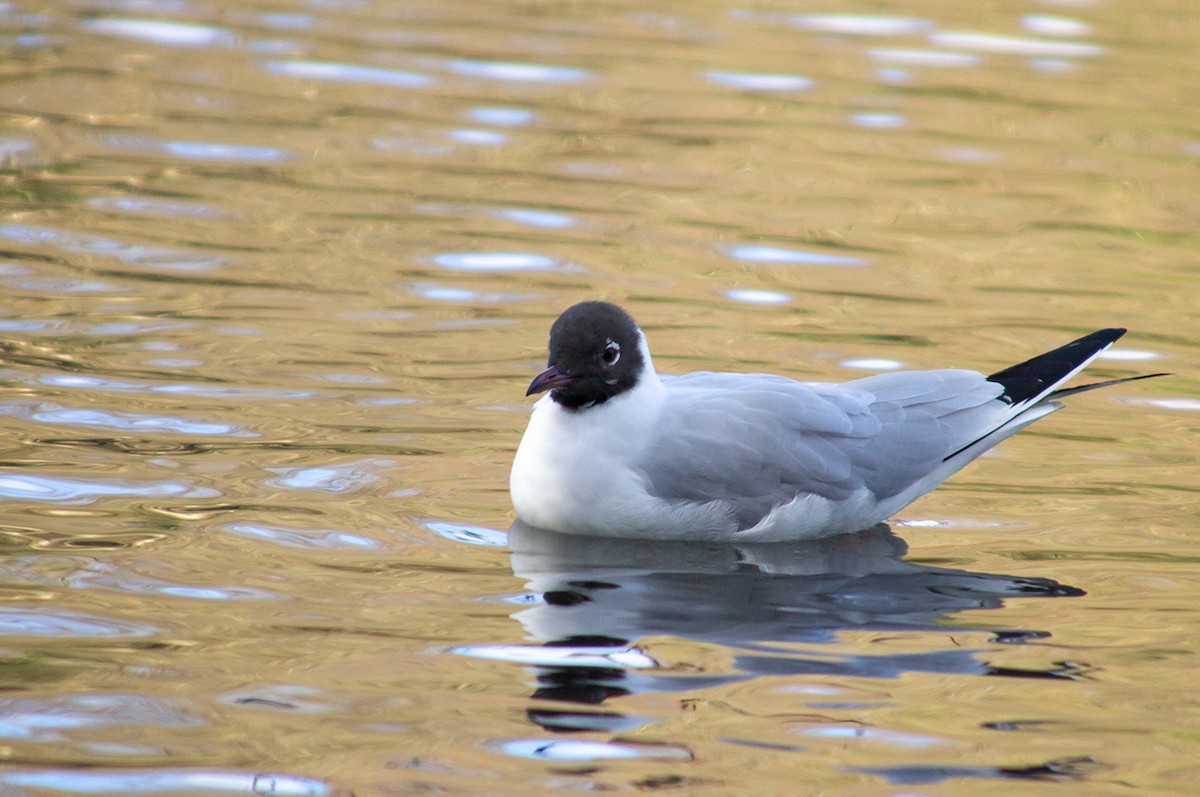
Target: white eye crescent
612	352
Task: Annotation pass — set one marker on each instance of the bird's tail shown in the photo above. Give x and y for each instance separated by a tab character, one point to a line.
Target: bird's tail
1029	382
1031	388
1067	391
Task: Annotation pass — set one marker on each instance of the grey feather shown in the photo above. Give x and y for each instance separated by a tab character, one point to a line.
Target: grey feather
777	438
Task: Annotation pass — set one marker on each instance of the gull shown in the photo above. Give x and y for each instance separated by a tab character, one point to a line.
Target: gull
613	450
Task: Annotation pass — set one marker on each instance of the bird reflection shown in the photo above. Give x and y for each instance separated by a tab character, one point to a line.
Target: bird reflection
772	605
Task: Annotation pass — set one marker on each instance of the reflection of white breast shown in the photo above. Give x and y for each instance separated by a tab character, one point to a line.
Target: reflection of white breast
627	590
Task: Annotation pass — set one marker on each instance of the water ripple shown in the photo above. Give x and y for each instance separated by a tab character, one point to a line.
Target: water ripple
150	781
18	621
867	733
536	218
349	73
135	327
64	285
1053	65
280	697
463	532
625	658
1046	25
13	325
37	40
754	253
207	150
46	412
872	364
303	538
934	58
174	34
175	362
12	147
760	82
1015	45
478	138
42	719
442	293
77	491
83	382
155	207
134	254
85	573
287	20
329	479
514	72
1133	355
1058	770
220	391
969	155
1185	404
585	750
878	121
505	117
496	261
758	297
863	24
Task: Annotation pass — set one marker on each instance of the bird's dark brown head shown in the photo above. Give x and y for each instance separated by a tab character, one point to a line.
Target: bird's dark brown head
595	355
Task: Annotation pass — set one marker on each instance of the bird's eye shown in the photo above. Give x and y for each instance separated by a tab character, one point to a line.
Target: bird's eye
612	352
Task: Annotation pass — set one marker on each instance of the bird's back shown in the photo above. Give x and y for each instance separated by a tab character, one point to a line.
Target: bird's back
757	441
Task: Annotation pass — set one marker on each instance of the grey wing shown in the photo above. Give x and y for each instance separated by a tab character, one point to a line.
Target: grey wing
926	417
756	441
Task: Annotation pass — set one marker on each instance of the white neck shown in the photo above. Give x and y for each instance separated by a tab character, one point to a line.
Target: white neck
569	460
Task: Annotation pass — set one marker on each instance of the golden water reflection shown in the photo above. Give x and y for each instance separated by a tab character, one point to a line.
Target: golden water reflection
274	279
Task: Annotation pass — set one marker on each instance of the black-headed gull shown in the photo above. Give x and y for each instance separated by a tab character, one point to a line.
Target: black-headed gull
615	451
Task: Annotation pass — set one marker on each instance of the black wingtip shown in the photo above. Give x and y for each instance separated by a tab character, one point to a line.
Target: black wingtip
1028	380
1034	380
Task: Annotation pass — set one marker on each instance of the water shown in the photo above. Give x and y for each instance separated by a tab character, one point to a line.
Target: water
275	277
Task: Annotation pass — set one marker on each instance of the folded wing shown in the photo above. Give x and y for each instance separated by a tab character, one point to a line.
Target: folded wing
755	441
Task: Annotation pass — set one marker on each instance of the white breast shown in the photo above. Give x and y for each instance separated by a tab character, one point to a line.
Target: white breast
577	471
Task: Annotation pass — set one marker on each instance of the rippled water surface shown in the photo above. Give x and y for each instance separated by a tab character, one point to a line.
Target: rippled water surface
276	275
